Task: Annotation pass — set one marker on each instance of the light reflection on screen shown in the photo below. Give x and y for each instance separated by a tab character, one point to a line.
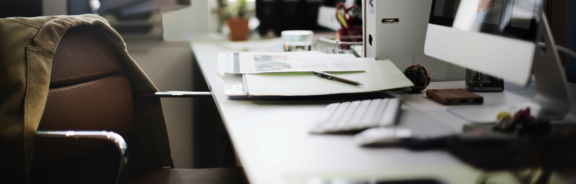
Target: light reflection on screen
509	18
515	13
467	13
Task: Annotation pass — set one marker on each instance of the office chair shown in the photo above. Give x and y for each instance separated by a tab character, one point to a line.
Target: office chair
87	130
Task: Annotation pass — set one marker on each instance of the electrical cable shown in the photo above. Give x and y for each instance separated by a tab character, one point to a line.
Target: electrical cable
560	48
566	51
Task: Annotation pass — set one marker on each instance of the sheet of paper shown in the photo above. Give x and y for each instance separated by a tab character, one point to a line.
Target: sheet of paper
273	62
379	75
221	63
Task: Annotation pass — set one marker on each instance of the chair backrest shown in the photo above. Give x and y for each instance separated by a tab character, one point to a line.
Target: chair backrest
88	91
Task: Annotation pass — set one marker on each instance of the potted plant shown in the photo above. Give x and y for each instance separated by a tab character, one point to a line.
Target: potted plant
238	23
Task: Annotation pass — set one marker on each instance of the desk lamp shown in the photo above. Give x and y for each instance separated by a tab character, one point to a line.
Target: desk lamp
501	38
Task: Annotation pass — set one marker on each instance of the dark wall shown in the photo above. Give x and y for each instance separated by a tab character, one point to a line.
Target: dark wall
571	39
20	8
77	7
557	16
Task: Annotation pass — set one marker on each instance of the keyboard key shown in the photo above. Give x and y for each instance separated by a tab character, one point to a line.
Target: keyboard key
357	116
389	116
369	115
344	121
327	113
379	111
329	124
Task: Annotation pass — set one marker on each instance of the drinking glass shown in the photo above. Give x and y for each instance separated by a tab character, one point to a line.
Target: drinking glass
297	40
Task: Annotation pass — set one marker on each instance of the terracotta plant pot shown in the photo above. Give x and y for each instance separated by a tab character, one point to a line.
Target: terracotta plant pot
238	29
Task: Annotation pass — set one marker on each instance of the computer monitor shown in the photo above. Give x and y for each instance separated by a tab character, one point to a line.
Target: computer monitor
500	38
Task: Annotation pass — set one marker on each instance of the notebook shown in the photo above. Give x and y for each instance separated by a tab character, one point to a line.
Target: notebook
380	75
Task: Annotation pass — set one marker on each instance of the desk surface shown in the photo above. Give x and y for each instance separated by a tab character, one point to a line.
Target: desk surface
274	146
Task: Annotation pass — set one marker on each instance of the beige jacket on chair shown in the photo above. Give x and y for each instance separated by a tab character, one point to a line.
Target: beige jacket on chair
27	46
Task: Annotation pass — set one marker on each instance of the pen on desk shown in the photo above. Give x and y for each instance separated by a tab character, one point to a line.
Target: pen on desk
333	77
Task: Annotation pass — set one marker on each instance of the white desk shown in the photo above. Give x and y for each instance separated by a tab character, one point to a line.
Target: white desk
274	146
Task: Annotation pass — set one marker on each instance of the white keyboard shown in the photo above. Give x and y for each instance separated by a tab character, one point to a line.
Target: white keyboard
357	115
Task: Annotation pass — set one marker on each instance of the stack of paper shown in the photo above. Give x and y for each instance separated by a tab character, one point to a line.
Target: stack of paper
272	62
290	74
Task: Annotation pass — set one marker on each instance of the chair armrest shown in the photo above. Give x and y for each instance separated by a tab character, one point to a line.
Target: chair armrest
179	94
111	136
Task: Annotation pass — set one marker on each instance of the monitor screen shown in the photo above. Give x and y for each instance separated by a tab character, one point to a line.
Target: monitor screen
509	18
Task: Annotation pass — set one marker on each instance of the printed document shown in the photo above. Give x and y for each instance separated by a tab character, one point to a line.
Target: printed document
274	62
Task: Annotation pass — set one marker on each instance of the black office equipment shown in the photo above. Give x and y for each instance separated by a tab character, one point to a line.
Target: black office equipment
280	15
480	82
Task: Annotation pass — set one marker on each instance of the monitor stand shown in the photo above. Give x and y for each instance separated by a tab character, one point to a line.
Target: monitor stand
552	99
551	85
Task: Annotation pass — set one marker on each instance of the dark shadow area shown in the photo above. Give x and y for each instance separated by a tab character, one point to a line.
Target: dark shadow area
212	146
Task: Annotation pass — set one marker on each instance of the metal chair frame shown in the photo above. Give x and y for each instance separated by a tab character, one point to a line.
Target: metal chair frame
113	136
